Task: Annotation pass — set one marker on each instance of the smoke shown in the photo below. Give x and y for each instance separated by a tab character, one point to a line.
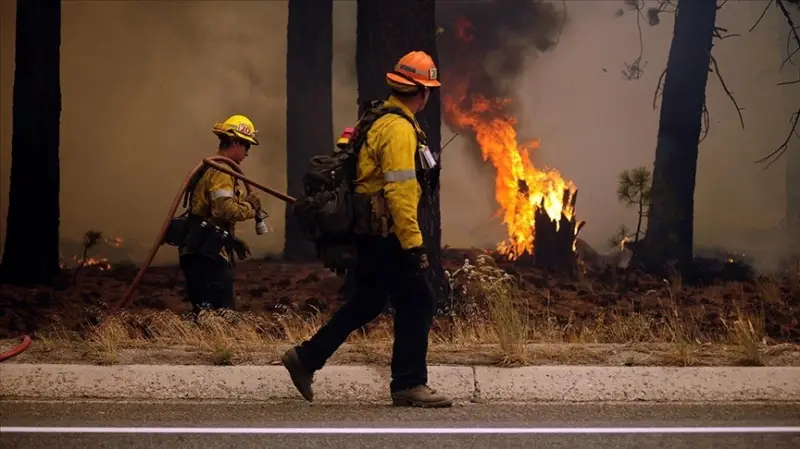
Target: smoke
142	85
484	46
145	81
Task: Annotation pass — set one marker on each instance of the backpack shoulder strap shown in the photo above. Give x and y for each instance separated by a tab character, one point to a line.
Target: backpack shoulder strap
188	194
398	111
415	126
372	113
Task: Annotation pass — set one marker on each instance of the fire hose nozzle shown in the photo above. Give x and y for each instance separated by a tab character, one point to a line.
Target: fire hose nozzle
261	225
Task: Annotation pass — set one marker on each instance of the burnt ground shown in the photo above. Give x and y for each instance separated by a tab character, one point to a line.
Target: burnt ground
278	287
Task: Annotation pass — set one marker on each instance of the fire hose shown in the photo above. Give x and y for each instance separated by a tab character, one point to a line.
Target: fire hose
16	350
215	162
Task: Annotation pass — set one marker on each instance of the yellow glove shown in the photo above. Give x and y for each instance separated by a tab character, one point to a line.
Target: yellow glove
254	201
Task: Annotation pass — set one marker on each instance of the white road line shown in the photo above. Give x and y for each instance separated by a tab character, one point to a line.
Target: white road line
399	430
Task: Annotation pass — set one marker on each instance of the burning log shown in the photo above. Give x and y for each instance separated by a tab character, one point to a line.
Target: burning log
554	240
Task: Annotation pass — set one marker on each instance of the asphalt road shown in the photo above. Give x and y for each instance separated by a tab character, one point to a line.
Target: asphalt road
296	421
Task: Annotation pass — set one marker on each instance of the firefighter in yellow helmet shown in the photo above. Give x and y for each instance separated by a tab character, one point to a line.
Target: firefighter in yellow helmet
392	262
217	201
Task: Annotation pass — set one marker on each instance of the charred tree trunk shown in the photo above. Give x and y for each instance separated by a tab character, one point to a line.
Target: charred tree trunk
792	223
793	200
384	33
554	241
309	105
30	256
670	231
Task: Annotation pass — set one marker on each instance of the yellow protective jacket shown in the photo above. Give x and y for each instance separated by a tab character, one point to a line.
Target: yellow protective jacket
220	197
387	162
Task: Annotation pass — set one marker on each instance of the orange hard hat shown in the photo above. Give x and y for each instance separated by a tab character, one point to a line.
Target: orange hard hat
413	70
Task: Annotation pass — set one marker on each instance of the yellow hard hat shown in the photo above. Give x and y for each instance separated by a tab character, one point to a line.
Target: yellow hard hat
238	126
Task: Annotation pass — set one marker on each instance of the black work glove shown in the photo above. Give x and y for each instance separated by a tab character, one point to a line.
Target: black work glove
417	259
241	248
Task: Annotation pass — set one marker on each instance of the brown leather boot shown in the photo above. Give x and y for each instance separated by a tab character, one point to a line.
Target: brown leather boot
301	377
420	396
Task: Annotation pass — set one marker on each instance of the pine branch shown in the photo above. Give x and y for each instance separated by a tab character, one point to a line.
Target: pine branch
778	152
761	17
725	86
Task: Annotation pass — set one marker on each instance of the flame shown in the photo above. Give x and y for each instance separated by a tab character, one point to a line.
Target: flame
99	262
116	242
520	187
624	240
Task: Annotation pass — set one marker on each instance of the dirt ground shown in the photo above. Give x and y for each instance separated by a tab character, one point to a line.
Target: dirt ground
276	287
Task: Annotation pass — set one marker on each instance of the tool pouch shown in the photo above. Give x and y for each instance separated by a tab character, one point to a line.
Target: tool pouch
338	256
371	214
339	252
206	238
362	214
379	215
177	232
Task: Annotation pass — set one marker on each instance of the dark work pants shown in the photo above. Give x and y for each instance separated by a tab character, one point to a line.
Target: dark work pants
383	272
209	281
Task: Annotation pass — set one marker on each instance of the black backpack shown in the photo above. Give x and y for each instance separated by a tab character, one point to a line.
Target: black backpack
330	213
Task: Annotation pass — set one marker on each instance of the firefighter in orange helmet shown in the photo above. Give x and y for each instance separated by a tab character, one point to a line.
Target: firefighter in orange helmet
392	163
217	202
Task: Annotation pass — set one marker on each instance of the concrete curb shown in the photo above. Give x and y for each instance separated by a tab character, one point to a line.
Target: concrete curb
370	383
656	384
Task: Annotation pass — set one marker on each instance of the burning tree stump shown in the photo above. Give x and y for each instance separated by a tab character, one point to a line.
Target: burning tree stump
554	240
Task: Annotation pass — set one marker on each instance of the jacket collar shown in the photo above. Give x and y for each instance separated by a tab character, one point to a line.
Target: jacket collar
394	102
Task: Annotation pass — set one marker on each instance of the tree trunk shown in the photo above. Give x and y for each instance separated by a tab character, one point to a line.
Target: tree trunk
793	200
31	253
384	33
553	241
640	218
670	234
309	105
792	223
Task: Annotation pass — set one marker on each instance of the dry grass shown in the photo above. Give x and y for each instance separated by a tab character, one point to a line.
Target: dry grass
220	335
493	312
491	289
506	337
